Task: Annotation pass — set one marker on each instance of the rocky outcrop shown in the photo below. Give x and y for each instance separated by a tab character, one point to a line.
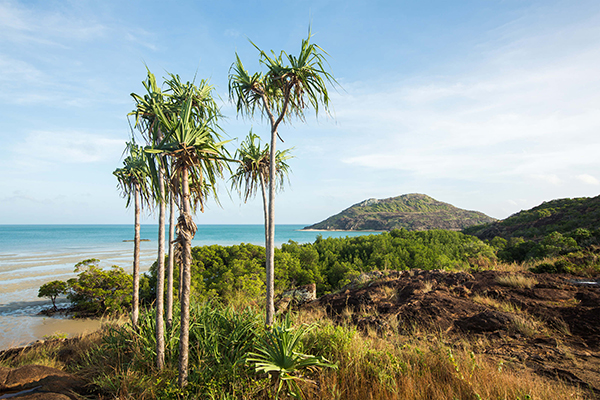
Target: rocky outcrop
37	382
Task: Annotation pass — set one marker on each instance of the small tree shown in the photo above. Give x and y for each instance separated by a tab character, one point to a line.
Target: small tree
52	290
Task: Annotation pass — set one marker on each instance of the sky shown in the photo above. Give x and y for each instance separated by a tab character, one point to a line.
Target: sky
488	105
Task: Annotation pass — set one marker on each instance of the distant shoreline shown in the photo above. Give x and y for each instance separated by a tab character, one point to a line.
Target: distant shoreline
341	230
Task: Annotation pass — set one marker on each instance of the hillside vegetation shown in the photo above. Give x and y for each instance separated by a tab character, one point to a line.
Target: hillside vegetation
414	212
561	215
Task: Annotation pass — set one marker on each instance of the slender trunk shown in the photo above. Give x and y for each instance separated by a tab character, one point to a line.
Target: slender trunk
171	262
263	189
185	290
160	273
270	306
135	312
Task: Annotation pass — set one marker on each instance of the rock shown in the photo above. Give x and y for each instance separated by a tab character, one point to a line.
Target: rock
486	321
38	382
298	296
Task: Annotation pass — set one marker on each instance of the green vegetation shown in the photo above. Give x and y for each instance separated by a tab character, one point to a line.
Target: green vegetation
118	362
228	272
95	291
564	216
52	290
410	211
559	236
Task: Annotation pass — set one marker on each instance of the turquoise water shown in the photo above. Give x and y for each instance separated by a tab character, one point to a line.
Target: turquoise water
43	238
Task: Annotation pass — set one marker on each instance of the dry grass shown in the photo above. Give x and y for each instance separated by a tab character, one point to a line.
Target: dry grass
517	281
416	366
428	286
420	366
503	306
387	292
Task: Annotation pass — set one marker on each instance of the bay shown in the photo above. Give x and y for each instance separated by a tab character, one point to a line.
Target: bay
31	255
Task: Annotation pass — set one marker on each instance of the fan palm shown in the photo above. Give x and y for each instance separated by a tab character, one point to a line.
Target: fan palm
290	85
133	180
197	160
253	171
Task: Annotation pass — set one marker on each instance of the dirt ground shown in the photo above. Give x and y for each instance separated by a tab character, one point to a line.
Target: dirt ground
546	323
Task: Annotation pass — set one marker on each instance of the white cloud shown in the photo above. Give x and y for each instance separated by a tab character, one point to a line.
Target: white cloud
68	147
588	179
22	24
512	115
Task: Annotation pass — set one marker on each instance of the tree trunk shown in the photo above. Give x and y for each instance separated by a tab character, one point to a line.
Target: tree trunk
270	306
135	309
171	262
160	273
263	190
184	231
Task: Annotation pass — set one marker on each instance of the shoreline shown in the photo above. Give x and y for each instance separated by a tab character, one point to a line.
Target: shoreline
342	230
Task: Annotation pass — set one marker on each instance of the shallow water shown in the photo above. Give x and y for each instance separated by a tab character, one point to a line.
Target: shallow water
31	255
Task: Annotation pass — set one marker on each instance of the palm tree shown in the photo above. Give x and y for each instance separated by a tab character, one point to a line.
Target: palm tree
290	85
147	123
253	171
133	181
189	125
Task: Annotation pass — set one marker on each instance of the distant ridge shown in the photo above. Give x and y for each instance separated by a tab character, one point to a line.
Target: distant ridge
560	215
415	212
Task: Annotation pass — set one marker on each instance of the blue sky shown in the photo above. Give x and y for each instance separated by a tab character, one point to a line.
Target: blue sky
491	106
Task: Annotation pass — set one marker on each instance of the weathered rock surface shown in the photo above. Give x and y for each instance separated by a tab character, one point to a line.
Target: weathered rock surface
36	382
562	341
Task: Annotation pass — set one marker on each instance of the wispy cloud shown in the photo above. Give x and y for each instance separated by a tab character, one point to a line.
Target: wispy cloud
67	147
514	114
22	24
588	179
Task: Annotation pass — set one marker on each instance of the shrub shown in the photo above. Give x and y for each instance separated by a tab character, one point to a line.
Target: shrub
99	291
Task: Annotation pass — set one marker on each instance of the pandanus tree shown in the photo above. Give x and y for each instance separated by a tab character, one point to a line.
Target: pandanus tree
133	180
198	159
253	172
147	123
290	86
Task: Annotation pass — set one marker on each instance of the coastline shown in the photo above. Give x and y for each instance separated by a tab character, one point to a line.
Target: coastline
343	230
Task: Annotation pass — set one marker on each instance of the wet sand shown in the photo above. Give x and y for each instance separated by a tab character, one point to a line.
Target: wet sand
21	275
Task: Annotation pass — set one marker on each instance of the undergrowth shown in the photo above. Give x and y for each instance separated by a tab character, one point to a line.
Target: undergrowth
120	362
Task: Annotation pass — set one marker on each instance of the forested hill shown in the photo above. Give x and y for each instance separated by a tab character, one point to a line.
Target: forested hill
562	215
414	212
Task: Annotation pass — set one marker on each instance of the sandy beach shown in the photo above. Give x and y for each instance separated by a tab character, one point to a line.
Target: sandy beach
21	275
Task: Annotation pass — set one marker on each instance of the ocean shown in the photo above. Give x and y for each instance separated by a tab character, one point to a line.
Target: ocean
31	255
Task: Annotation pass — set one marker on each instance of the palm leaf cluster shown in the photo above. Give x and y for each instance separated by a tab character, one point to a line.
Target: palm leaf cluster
290	85
134	175
253	168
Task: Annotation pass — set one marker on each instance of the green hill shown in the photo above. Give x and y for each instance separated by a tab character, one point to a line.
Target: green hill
414	212
562	215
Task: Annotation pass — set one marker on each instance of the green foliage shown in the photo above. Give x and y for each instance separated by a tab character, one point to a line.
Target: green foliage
578	218
227	272
279	354
220	339
52	290
99	291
